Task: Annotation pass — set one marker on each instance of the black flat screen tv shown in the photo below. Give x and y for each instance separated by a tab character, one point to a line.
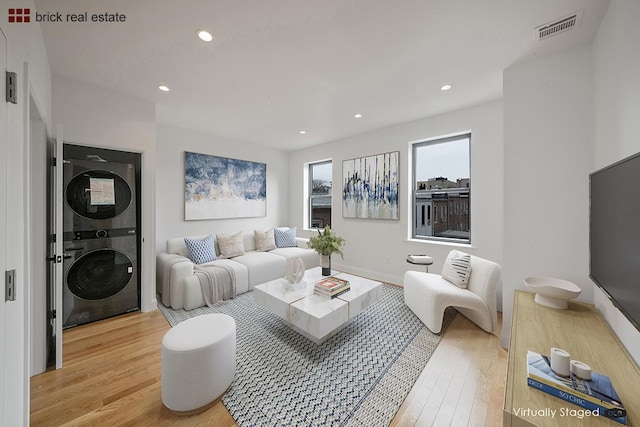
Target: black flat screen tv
614	234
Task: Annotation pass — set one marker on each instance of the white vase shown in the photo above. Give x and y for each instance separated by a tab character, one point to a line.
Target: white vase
295	270
325	263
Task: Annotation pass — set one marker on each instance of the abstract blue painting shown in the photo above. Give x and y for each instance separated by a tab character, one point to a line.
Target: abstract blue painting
370	186
219	187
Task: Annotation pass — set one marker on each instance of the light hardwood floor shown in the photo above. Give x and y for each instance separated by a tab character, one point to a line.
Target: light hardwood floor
463	383
111	377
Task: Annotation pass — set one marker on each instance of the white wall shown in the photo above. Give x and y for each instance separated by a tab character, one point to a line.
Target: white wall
172	142
617	128
94	117
548	140
27	57
378	248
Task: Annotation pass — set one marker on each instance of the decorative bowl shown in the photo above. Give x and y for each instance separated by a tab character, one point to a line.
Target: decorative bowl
552	292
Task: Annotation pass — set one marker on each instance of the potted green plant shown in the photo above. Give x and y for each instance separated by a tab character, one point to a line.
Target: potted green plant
326	243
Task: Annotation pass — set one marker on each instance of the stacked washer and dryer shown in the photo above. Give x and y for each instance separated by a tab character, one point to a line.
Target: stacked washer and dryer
100	241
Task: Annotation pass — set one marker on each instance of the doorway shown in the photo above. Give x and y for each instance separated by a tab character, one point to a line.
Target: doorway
101	242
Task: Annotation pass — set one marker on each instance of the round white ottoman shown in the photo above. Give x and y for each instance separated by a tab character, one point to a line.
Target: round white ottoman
198	362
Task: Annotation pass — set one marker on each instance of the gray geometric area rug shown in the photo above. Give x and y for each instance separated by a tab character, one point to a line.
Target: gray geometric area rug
359	377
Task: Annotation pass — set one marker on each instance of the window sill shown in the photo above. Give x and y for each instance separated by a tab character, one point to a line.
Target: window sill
441	243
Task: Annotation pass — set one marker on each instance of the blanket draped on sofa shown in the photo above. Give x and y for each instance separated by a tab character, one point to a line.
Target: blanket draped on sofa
218	283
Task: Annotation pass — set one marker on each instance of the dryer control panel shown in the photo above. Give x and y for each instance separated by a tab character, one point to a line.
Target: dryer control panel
98	234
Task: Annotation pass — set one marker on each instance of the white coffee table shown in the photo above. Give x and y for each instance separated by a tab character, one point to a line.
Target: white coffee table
314	316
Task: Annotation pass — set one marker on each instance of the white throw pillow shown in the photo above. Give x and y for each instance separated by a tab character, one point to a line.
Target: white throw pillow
230	246
457	269
265	240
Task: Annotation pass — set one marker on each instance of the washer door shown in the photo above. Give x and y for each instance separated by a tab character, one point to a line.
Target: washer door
99	274
98	194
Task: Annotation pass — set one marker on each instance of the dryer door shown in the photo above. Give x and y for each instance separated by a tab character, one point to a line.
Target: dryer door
98	194
99	274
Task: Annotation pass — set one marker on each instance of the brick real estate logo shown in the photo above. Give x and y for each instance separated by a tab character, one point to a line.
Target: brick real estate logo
19	15
24	15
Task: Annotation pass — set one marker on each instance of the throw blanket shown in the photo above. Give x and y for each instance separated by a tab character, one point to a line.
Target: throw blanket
218	283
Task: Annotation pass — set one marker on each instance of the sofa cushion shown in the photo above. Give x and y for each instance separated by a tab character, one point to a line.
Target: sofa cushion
262	266
457	268
285	237
309	258
201	250
230	246
265	240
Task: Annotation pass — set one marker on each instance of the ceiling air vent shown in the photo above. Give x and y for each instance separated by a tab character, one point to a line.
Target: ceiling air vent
558	26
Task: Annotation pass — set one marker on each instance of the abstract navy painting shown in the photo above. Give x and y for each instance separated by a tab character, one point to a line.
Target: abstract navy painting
370	187
219	187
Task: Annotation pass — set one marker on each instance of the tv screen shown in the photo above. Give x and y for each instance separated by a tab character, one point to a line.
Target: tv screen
614	234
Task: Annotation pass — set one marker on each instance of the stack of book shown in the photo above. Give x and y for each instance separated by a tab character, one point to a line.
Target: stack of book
596	395
331	287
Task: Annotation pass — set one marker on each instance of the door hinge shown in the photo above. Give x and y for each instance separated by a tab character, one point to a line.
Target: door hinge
10	285
54	162
53	314
12	87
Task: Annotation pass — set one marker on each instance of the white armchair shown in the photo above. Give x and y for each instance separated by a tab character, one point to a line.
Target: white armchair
428	295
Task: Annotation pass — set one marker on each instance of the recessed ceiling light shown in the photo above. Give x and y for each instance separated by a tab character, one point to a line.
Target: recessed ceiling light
204	35
164	88
445	87
302	132
357	116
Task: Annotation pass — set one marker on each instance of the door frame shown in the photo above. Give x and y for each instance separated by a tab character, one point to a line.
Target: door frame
58	230
3	217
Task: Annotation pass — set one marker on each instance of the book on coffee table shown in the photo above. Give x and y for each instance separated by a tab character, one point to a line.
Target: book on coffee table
333	295
331	282
331	286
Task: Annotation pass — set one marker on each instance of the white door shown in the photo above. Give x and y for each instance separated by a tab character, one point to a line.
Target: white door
4	388
55	255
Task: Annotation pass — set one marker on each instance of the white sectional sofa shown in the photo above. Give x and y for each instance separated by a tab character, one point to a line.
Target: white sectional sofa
179	287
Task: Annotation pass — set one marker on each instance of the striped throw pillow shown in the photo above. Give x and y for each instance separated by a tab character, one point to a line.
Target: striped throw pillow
457	269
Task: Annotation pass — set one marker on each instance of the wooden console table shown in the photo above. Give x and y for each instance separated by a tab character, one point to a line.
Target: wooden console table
582	332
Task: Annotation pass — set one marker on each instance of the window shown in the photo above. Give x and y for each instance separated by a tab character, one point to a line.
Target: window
442	184
320	176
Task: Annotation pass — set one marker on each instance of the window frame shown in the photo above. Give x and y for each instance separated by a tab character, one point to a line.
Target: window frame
311	196
414	146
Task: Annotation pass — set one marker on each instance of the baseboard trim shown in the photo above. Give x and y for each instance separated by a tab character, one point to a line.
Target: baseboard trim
370	274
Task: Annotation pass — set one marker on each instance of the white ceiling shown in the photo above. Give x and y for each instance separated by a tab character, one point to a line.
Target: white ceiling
279	66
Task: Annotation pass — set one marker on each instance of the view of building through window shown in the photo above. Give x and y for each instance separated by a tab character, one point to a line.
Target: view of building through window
441	173
320	177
